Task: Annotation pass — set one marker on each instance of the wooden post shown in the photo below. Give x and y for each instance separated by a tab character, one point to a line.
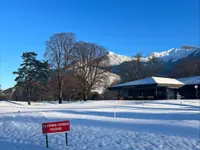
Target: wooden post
114	111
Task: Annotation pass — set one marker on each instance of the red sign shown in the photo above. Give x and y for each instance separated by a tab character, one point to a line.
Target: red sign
53	127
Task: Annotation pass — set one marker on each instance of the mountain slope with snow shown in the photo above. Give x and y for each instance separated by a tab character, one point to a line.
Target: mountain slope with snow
175	54
171	55
110	78
116	59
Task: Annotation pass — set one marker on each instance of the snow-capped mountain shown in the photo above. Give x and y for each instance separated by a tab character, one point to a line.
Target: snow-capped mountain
175	54
171	55
116	59
196	52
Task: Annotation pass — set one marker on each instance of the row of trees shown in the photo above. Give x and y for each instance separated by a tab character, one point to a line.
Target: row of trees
1	93
138	68
186	67
69	64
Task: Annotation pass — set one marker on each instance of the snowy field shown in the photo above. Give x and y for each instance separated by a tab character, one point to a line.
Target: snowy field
103	125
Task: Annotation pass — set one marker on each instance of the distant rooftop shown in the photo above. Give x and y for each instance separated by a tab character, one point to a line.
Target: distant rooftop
190	80
153	80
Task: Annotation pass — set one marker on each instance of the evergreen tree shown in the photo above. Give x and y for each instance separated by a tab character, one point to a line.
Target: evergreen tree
32	75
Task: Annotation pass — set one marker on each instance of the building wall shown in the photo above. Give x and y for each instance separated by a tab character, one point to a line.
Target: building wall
170	93
147	93
189	92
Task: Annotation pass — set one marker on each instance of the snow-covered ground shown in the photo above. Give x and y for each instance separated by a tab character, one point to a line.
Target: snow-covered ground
103	125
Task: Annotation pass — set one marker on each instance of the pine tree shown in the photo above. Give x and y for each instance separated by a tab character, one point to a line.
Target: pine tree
32	75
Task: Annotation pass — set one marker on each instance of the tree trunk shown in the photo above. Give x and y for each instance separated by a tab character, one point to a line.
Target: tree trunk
85	97
29	97
59	92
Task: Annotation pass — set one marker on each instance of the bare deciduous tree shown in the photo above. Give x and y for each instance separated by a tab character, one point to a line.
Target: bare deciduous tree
71	90
132	70
59	54
154	66
89	66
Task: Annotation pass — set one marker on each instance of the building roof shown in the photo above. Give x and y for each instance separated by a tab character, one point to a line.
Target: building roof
190	80
160	81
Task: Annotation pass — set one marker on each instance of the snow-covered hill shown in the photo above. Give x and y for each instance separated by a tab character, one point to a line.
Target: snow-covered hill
173	55
108	81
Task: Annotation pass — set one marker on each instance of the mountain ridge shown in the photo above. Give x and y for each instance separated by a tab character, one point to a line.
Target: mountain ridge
171	55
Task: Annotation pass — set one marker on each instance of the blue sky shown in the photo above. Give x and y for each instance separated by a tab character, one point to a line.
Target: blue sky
122	26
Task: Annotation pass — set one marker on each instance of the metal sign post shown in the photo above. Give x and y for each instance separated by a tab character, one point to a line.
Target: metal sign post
47	144
56	127
66	139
